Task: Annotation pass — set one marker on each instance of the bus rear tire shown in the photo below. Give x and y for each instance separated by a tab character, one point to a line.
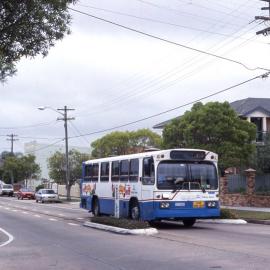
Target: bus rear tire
96	210
189	222
135	210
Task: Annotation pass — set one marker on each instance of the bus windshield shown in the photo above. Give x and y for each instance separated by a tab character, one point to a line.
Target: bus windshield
187	176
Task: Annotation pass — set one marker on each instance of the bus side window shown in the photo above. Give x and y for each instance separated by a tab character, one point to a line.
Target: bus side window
95	172
133	170
104	171
148	171
124	170
115	171
87	172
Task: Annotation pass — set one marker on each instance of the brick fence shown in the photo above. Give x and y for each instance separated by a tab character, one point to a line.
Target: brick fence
247	199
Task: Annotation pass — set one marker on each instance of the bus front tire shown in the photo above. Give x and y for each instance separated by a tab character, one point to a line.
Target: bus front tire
135	211
96	210
189	222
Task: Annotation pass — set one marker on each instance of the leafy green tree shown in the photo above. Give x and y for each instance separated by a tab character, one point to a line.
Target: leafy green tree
28	28
57	168
215	127
19	168
125	142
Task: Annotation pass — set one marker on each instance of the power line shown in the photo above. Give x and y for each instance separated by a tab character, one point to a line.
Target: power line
168	41
263	76
31	126
142	88
12	140
45	147
164	22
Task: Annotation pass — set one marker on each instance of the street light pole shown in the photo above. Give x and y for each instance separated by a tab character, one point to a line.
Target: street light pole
65	119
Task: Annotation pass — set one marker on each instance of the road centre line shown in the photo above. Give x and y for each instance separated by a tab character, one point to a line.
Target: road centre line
10	238
53	219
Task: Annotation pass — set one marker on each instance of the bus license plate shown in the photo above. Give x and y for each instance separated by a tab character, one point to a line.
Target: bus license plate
180	204
198	204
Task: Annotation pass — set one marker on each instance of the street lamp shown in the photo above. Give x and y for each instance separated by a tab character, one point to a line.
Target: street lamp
65	119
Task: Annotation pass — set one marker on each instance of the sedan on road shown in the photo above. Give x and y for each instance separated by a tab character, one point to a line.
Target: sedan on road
46	195
25	193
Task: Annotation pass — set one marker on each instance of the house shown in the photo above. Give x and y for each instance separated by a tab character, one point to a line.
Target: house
254	110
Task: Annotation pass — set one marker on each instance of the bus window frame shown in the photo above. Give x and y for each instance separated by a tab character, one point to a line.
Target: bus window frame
115	177
134	177
148	180
95	177
105	177
123	177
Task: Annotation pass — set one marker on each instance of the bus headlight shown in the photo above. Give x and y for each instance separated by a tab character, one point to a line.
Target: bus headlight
211	204
164	205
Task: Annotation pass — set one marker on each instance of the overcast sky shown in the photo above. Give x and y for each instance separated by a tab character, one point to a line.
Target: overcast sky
112	76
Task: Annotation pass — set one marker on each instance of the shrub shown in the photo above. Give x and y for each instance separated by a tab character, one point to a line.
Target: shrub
120	222
227	214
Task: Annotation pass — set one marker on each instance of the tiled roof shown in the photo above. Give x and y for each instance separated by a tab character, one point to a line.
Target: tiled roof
246	106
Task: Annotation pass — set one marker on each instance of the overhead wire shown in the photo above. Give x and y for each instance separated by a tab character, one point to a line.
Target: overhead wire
161	22
159	78
169	41
264	75
125	96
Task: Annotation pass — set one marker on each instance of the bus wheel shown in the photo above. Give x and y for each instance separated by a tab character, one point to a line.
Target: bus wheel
95	210
189	222
135	211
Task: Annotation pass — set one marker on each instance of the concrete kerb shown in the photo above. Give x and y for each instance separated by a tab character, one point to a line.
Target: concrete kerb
223	221
148	231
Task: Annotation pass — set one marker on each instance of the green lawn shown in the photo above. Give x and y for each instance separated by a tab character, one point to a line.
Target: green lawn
251	214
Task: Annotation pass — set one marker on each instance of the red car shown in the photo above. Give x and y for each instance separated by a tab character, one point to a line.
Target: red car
25	193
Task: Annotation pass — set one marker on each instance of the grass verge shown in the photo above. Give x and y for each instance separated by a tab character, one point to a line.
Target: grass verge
120	222
243	214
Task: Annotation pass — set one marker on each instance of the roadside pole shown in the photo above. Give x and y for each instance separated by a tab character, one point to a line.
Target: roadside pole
116	201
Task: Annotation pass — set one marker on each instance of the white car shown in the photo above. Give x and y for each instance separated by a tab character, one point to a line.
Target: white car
46	195
6	189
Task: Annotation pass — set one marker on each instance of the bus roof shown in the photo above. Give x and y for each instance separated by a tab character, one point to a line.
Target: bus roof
149	154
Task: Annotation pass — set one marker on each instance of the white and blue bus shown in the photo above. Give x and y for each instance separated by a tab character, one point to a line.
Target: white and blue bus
179	184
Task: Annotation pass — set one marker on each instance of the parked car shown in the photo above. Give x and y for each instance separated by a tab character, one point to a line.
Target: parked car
46	195
6	189
25	193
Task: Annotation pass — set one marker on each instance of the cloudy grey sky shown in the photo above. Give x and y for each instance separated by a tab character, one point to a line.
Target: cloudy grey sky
112	76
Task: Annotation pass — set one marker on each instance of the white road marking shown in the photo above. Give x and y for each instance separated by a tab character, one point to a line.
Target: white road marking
7	208
10	238
24	212
80	218
61	215
14	210
37	216
53	219
73	224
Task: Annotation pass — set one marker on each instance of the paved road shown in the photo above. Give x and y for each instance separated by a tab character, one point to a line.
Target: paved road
50	241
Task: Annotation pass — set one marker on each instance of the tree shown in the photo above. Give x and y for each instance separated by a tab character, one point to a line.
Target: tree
19	168
28	28
215	127
125	142
57	168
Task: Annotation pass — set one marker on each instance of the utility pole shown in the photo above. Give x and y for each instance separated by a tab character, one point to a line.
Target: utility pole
265	31
12	141
65	119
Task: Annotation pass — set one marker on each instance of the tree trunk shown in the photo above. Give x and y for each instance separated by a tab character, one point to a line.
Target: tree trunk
68	188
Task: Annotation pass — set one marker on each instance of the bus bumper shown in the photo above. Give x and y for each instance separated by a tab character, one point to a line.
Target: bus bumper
179	210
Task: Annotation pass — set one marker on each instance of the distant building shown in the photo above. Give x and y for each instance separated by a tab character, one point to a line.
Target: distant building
43	152
254	110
